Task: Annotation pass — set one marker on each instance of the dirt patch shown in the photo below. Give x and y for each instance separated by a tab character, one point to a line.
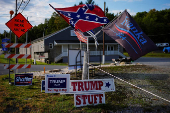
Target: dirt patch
127	98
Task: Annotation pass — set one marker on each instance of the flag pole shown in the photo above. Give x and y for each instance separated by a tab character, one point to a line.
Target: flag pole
103	60
88	57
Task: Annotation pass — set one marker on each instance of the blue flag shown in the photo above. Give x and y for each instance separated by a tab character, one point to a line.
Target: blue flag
129	35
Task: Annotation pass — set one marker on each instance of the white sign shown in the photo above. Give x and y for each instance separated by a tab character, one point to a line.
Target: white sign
89	99
57	83
72	54
92	85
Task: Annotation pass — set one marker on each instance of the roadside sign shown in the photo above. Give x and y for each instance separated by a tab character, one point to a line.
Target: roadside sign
23	79
57	83
43	86
89	99
91	85
19	25
3	44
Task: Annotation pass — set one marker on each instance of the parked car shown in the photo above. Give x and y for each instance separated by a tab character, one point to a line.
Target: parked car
166	49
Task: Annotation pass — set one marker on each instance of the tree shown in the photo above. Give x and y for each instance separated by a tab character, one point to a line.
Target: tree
80	3
90	2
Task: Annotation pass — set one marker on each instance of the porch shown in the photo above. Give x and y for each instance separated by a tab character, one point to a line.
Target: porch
93	55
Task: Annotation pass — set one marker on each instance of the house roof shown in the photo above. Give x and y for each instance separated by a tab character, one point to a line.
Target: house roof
64	36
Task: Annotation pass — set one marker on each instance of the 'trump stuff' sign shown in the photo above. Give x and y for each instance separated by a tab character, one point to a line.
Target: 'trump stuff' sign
23	79
92	85
89	99
57	83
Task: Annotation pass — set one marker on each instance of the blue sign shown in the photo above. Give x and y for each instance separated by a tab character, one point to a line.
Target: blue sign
5	40
23	79
42	85
3	45
57	82
4	49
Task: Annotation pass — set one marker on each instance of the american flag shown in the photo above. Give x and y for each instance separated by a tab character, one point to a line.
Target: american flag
80	36
83	17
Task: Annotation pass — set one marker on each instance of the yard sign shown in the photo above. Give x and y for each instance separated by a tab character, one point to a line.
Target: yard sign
89	99
57	83
91	85
23	79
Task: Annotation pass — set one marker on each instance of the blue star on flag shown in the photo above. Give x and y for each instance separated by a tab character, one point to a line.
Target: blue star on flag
107	85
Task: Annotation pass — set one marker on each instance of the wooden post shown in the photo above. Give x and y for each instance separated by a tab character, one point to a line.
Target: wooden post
85	66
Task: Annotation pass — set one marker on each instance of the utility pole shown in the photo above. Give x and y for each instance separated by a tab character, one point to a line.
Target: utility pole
16	49
11	13
103	60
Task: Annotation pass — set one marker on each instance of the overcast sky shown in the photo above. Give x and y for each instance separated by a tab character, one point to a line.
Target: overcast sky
38	10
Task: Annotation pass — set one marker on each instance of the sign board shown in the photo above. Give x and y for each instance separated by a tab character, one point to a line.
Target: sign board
19	25
72	54
43	86
57	83
23	79
89	99
91	85
3	45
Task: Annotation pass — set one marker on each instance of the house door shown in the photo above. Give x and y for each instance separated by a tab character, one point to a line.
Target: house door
110	50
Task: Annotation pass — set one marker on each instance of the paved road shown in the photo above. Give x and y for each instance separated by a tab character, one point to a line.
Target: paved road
163	62
33	68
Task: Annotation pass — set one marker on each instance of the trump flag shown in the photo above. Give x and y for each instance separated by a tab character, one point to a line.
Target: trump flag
129	35
83	17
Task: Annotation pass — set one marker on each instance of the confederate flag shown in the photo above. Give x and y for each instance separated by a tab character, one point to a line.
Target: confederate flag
83	17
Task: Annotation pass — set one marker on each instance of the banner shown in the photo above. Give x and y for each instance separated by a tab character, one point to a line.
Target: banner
92	85
84	17
23	79
89	99
57	83
129	35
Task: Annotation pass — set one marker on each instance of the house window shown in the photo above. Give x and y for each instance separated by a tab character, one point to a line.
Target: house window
110	48
51	45
72	33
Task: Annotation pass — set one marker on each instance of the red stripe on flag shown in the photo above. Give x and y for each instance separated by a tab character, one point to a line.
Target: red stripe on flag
80	37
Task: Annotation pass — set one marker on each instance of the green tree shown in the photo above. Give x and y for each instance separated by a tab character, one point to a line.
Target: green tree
90	2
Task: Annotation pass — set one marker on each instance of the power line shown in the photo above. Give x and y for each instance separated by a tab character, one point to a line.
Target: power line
20	5
25	5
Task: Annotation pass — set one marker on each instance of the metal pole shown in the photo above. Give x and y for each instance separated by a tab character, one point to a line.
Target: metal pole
104	39
10	52
26	48
88	57
16	49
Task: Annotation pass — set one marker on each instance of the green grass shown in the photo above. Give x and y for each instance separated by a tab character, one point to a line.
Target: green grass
31	99
23	61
